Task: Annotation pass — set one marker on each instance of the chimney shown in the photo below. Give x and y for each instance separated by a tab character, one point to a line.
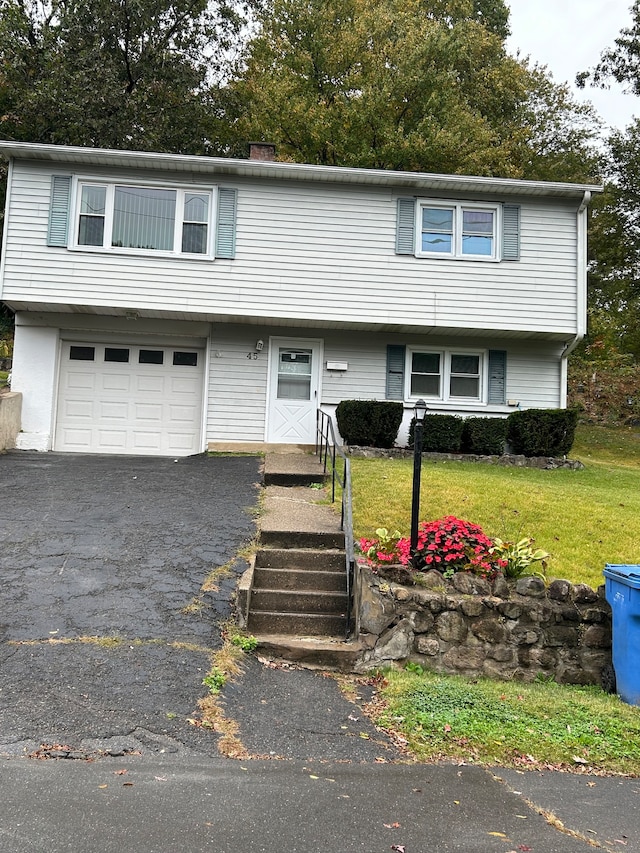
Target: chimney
265	151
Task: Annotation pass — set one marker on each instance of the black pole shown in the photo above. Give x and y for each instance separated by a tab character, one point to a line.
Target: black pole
415	497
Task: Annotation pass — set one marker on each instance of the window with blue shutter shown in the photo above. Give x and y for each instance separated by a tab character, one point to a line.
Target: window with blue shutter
511	232
58	230
395	372
226	223
406	227
497	377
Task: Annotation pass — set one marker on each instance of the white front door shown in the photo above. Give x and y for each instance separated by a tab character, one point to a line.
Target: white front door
294	378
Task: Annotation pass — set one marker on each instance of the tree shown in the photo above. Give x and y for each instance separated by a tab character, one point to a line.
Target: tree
614	277
137	74
419	85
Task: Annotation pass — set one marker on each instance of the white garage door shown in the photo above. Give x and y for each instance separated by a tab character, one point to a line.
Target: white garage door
138	399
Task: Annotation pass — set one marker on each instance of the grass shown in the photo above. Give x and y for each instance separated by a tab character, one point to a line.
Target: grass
584	519
4	375
510	724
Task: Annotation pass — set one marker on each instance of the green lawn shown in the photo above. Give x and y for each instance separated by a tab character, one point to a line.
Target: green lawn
584	519
531	726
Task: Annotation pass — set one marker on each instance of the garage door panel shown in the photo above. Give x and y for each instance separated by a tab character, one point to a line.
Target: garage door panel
78	439
178	442
80	409
185	385
150	413
149	441
151	384
116	382
133	407
75	381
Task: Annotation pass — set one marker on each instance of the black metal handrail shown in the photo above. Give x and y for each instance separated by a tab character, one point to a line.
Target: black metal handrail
331	453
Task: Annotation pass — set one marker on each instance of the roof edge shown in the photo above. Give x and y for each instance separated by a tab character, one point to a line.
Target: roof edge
67	154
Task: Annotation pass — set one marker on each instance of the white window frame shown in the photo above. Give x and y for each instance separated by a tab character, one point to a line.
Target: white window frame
180	190
458	208
445	395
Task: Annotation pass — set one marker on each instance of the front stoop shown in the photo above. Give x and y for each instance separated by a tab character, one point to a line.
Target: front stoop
294	598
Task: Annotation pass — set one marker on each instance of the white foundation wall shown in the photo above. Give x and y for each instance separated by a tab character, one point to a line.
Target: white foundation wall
34	375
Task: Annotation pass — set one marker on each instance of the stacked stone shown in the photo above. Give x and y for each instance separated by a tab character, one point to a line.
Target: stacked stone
506	629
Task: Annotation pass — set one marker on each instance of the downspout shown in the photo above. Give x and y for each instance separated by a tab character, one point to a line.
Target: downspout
581	294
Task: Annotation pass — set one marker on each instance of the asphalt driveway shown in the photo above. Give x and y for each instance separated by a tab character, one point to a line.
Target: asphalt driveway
105	633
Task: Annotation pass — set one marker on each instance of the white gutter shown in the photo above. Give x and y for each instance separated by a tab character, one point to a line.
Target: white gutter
581	294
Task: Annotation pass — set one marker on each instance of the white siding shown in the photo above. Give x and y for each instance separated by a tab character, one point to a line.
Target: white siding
314	253
238	385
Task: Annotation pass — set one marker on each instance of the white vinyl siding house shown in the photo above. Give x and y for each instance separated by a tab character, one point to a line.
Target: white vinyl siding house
264	269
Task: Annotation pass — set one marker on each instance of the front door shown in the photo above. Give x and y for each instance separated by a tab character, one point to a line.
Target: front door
293	391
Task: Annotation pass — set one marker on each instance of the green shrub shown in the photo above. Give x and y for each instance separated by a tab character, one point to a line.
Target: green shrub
441	433
369	423
484	436
542	432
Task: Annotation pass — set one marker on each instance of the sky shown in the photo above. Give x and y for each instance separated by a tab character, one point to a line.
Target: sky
568	36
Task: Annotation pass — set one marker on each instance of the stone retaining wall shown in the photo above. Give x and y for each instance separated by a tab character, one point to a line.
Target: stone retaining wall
509	460
508	630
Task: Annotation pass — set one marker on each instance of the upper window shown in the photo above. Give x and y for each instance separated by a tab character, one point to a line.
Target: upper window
457	230
147	219
445	375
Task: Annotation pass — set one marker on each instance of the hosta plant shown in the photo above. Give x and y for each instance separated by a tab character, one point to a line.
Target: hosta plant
520	556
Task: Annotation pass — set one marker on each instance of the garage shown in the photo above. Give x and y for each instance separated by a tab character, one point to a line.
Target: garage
127	398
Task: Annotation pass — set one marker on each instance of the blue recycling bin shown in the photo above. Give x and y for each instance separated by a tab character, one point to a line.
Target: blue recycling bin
622	590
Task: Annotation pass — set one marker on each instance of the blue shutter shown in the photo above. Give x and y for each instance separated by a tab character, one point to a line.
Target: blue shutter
226	223
58	231
406	227
511	232
395	372
497	376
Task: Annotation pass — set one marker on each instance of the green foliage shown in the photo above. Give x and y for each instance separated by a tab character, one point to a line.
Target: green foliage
484	436
542	432
369	423
509	723
404	84
215	679
519	557
441	433
247	644
138	75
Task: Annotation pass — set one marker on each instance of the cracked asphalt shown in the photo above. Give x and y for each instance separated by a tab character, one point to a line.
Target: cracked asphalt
102	560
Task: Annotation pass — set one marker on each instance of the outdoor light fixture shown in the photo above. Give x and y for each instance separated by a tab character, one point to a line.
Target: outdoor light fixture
419	411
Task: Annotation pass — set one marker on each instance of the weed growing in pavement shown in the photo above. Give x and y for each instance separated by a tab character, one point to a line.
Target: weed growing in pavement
247	644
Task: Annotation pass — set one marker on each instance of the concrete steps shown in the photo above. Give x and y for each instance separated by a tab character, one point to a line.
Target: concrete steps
295	596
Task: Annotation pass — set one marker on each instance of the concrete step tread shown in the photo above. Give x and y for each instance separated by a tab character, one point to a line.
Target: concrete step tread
299	579
312	652
302	559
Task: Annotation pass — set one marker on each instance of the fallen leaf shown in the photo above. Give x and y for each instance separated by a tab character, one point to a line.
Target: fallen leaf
579	760
457	802
364	735
447	727
591	784
127	784
394	825
160	778
311	776
497	834
619	841
524	848
103	786
399	848
119	772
